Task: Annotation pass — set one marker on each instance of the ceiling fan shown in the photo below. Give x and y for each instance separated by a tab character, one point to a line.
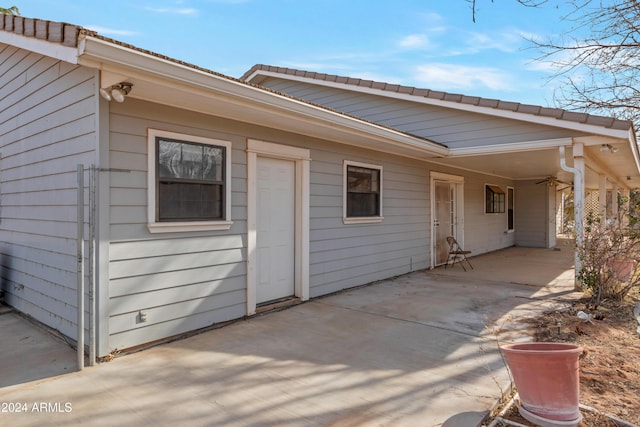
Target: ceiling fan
553	180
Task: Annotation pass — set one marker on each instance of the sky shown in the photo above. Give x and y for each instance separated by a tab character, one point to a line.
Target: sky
432	44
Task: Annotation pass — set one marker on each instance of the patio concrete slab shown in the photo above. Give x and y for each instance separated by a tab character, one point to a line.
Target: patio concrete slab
29	352
418	350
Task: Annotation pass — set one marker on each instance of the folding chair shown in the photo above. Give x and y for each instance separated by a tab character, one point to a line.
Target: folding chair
456	254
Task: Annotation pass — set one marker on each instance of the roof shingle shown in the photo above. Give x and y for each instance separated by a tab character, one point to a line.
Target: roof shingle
69	35
55	32
536	110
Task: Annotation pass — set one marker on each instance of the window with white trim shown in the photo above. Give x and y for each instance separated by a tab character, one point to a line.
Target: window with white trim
189	182
494	199
362	192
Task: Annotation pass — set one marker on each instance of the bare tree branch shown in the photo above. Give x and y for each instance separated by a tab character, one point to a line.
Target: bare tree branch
598	61
527	3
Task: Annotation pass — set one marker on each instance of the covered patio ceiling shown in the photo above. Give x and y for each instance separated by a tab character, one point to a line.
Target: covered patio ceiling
617	164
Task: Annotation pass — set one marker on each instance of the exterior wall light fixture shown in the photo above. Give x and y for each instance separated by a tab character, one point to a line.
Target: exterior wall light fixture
608	147
116	92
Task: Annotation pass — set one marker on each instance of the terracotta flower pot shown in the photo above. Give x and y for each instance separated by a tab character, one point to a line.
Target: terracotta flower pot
547	377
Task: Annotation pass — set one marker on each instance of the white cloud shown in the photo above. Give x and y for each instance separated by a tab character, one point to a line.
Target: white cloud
105	31
189	11
470	43
342	70
449	76
434	22
377	77
546	66
506	41
319	67
535	37
414	41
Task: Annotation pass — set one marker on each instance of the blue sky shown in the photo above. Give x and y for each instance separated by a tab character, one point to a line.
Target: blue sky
430	44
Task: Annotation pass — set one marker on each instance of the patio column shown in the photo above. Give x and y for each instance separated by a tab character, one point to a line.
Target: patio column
614	200
578	164
577	170
602	196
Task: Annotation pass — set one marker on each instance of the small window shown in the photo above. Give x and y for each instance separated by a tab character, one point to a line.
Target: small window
189	185
190	181
495	199
363	193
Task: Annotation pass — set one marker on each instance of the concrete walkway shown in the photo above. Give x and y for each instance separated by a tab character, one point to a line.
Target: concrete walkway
418	350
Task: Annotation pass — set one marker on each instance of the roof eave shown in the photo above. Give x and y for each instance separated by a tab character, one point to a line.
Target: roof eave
96	52
634	147
42	46
524	146
257	74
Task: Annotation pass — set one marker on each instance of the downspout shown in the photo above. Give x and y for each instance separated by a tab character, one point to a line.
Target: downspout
578	196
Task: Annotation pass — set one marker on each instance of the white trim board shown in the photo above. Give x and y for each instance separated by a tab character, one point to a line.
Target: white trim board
496	112
302	159
155	226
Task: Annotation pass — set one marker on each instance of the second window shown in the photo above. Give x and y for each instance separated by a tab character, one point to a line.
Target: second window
363	190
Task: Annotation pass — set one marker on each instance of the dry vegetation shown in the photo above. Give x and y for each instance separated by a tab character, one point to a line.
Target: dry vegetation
610	365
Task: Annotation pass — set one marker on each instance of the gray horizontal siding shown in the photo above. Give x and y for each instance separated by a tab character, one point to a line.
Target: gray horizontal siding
182	281
531	215
150	283
47	127
454	128
343	256
186	323
187	280
485	232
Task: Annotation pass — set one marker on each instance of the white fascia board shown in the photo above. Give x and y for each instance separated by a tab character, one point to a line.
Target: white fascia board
511	148
54	50
496	112
634	148
257	73
95	52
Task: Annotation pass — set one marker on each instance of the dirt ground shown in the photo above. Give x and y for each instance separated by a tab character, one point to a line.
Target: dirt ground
610	364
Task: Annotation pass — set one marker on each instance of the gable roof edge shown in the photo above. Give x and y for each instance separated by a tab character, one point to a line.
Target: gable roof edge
40	40
583	122
104	54
77	45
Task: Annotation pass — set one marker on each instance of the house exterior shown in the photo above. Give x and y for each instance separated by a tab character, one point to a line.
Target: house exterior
527	144
202	197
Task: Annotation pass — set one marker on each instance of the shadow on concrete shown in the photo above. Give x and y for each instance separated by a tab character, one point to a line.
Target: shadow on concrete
464	419
29	352
419	349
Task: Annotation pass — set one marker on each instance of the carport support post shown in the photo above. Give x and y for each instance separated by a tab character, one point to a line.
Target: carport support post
80	271
602	195
615	200
578	198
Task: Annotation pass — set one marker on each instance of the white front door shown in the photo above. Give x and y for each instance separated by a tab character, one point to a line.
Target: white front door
275	221
444	217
